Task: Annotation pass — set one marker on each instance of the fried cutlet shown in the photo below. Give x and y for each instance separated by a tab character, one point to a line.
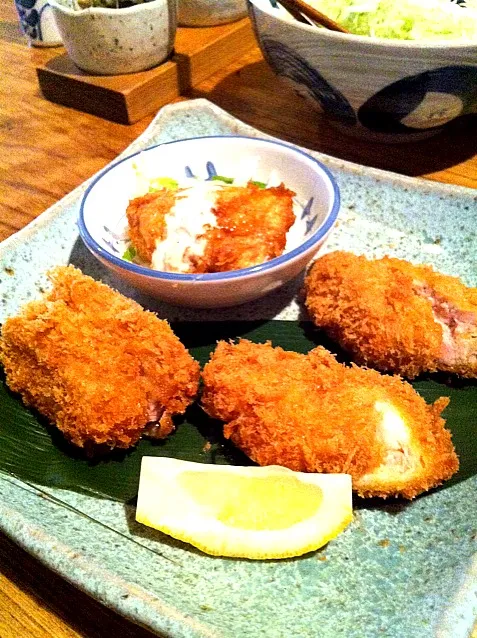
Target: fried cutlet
393	315
312	414
96	364
226	228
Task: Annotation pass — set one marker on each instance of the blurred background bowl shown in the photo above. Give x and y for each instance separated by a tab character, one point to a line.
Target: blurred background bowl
381	89
103	223
208	13
105	41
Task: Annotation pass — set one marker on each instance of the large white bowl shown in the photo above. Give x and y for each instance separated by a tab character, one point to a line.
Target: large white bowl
103	223
105	41
381	89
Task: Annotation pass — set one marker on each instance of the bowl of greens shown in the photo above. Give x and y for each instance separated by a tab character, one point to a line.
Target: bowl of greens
405	70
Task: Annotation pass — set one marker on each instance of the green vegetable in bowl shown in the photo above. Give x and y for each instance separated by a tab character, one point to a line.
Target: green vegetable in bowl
130	253
405	19
109	4
230	180
158	183
221	178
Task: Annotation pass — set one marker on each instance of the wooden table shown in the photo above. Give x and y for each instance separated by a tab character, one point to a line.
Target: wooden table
46	150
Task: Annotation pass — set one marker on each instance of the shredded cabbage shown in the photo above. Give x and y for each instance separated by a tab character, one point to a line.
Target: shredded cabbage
404	19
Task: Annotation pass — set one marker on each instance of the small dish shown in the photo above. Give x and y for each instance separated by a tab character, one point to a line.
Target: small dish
103	223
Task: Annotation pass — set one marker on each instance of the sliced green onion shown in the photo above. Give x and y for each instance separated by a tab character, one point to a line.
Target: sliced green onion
130	253
221	178
160	183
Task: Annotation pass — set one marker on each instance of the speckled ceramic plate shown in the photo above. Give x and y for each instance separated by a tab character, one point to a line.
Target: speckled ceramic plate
400	572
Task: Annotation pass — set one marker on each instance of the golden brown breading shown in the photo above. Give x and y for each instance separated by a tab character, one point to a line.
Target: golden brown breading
311	414
395	316
95	363
146	220
252	224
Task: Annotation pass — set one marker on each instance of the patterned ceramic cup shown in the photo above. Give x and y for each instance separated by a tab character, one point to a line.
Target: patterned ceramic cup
105	41
38	23
375	88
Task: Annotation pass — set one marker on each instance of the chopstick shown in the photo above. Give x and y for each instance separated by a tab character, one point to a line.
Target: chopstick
297	7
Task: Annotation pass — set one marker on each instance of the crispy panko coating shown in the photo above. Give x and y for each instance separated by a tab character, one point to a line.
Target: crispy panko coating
311	414
145	217
96	364
252	224
395	316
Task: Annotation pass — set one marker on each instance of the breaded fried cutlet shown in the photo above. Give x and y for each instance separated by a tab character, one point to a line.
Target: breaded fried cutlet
252	224
244	226
312	414
146	219
393	315
96	364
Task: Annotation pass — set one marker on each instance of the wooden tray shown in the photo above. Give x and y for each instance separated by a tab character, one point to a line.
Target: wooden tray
198	53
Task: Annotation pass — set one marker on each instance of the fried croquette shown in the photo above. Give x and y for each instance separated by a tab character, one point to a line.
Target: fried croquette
211	227
312	414
96	364
395	316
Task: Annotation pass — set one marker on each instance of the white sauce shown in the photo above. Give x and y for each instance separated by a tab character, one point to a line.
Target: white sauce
186	225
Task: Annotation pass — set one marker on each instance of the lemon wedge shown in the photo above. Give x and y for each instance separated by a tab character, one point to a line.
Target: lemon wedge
247	512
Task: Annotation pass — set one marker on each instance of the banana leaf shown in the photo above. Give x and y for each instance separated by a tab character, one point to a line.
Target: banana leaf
35	452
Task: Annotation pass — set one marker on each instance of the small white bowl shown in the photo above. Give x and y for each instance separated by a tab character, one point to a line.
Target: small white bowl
103	223
208	13
115	41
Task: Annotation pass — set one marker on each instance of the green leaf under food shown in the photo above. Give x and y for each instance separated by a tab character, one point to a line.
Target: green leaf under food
259	184
35	452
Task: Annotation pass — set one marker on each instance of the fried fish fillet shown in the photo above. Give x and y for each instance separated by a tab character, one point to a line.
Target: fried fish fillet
96	364
243	226
312	414
395	316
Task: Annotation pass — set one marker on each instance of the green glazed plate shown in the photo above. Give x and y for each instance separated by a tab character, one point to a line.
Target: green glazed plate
400	570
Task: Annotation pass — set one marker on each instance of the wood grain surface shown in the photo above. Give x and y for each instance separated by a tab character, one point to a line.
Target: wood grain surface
47	150
130	97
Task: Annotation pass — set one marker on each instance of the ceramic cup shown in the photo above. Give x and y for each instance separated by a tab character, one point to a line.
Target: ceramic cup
38	23
116	41
208	13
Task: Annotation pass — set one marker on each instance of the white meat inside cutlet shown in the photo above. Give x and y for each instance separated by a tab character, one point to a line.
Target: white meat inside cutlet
459	328
401	457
